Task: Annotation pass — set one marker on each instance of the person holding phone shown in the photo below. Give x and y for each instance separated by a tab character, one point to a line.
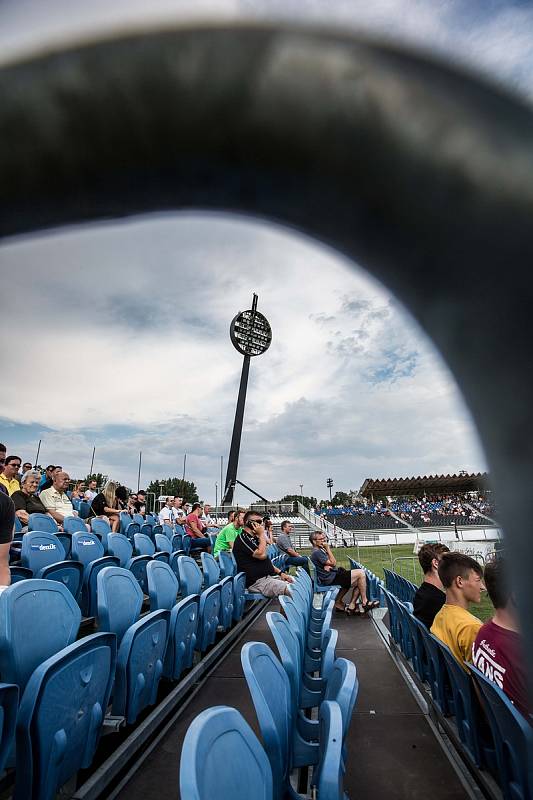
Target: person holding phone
250	551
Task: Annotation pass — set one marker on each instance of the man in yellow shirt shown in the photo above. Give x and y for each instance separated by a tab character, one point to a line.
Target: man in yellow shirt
11	469
462	579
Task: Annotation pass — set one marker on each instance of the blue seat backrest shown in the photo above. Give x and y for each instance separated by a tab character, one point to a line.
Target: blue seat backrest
86	547
73	524
213	738
37	619
190	576
42	522
211	569
84	509
163	543
343	687
228	566
513	737
120	546
329	773
125	520
144	545
139	519
163	585
40	550
120	600
9	701
167	530
63	709
179	529
271	695
100	526
289	652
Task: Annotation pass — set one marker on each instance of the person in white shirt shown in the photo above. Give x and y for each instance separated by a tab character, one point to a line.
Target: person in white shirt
91	492
207	518
165	515
55	499
177	511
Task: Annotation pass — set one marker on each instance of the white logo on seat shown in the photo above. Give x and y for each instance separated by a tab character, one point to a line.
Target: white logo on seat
87	542
43	547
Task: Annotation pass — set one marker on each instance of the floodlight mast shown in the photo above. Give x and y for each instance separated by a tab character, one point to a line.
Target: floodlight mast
250	334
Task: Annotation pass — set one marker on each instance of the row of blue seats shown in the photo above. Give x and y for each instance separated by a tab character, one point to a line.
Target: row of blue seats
401	587
121	665
504	747
307	675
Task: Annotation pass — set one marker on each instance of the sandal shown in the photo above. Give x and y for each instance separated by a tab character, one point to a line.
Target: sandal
340	610
370	604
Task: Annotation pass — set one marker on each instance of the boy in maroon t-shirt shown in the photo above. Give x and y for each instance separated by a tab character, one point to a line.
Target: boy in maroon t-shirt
497	651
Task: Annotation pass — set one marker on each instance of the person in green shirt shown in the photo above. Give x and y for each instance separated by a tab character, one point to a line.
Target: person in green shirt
227	535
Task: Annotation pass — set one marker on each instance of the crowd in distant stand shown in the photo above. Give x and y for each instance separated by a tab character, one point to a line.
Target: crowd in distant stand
471	506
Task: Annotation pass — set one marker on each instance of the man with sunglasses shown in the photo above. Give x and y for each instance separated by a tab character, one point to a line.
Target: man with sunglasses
250	551
9	478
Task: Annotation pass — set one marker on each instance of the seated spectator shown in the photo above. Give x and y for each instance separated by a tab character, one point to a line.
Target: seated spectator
7	523
226	537
9	477
166	516
462	578
46	476
108	505
25	468
284	543
25	500
55	499
207	519
195	528
3	452
429	597
90	492
269	529
250	551
328	573
178	513
498	651
78	493
49	481
140	503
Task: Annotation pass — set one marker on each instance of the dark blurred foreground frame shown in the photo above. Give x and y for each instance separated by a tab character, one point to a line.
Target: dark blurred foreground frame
420	172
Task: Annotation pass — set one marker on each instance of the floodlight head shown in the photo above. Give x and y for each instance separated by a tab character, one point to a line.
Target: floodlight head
250	332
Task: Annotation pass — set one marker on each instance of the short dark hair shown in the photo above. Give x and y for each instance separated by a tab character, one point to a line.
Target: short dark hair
195	506
497	583
284	524
428	552
231	513
50	466
122	493
12	458
452	565
3	448
58	466
250	513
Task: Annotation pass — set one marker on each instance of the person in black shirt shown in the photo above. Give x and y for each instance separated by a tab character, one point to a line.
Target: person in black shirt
429	597
7	522
25	500
250	551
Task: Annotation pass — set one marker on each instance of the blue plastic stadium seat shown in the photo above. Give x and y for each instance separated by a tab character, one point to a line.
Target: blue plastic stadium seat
189	575
163	543
177	541
163	585
42	522
43	553
100	526
9	700
167	530
319	587
88	549
239	596
513	739
120	546
209	617
125	519
143	545
139	519
20	573
210	569
131	529
73	524
228	565
146	529
84	509
226	603
61	715
37	619
142	642
466	710
213	738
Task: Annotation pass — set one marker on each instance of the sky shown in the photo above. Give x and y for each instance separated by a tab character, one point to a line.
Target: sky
122	329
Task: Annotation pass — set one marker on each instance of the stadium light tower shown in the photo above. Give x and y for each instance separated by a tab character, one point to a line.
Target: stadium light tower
329	484
250	334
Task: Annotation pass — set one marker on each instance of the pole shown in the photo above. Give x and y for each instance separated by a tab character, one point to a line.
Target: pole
38	451
92	462
139	473
184	463
216	495
302	493
221	483
233	460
